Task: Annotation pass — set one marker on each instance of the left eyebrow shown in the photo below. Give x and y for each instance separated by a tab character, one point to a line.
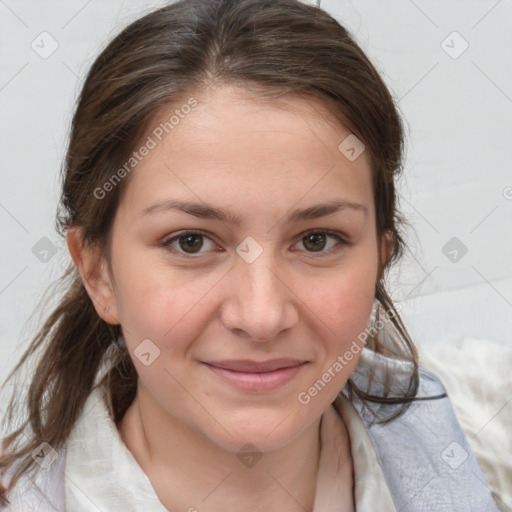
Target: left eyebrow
204	210
324	209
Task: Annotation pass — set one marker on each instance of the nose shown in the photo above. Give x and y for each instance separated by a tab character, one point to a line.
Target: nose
259	305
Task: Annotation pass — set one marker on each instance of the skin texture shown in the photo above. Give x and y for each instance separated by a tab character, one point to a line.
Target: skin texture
260	160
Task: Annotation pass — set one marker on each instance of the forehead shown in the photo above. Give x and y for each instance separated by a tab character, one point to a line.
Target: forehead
234	145
229	116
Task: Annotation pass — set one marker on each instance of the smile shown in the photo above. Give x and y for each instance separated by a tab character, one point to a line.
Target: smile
256	377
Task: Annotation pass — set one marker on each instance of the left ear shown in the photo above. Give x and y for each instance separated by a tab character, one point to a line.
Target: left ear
93	269
387	246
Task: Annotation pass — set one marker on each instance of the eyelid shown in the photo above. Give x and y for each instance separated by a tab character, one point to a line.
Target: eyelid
341	241
166	242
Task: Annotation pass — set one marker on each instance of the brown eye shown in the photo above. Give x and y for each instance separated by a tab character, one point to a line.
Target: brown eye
318	241
190	243
314	241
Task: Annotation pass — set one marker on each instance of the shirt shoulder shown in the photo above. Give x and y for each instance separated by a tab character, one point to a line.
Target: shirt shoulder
43	489
476	375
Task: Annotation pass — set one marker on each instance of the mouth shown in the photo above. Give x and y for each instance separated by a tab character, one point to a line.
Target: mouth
254	376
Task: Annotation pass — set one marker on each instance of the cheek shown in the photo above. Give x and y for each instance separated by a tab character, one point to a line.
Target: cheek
347	316
342	305
161	312
343	324
343	299
149	296
350	311
168	307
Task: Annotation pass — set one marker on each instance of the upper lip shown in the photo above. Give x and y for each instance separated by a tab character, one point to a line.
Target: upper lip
245	365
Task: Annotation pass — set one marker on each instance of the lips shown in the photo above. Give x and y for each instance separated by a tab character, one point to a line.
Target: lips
248	366
256	376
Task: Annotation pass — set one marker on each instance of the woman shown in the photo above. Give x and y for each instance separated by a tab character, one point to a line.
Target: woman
226	338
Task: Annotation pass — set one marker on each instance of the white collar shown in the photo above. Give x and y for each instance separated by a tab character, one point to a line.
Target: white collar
101	472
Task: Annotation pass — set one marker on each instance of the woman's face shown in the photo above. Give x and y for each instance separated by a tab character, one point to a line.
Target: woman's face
252	291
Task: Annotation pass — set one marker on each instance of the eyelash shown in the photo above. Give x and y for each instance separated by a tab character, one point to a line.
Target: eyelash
166	243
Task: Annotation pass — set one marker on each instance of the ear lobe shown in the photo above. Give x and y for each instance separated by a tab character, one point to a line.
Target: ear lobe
93	270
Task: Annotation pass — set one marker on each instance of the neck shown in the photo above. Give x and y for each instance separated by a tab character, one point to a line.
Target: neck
206	477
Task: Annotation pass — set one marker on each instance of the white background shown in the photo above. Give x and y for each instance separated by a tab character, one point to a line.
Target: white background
457	113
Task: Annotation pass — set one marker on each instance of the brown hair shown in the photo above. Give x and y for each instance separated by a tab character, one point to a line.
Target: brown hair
268	47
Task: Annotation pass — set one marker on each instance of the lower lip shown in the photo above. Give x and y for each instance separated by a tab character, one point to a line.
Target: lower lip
262	381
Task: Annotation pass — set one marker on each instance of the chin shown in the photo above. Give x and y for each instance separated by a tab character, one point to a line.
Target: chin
265	436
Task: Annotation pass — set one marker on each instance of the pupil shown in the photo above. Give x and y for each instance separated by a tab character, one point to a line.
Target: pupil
317	241
315	237
189	243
